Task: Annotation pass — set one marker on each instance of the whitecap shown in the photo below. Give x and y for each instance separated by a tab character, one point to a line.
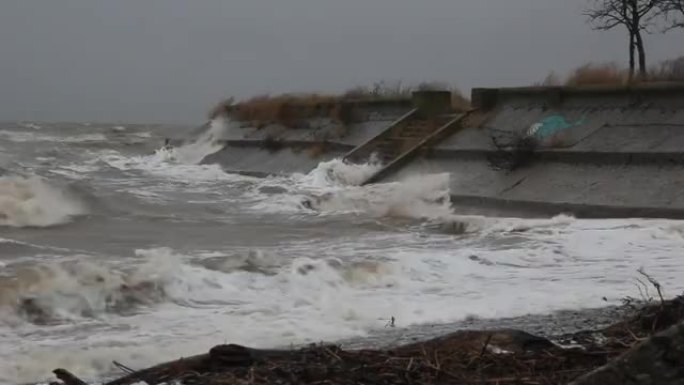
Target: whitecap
33	202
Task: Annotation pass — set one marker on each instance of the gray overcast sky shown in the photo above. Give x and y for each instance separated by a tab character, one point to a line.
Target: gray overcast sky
171	60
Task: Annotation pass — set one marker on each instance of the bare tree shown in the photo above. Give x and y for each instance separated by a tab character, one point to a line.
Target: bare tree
635	15
673	10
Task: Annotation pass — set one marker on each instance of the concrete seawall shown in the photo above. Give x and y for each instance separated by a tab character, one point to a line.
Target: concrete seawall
601	152
597	152
275	149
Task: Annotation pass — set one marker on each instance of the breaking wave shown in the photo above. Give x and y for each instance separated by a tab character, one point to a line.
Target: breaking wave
338	173
49	293
61	291
180	163
52	293
32	202
194	151
335	187
164	303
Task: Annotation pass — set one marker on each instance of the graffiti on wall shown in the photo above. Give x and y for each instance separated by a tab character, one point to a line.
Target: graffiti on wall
552	125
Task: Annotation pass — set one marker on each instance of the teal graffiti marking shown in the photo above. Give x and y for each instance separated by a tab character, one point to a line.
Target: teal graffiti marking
552	125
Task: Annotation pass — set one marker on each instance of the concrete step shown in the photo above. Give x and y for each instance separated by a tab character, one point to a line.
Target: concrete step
389	148
413	134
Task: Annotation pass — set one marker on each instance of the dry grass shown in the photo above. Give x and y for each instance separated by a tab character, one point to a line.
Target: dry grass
292	110
286	110
598	74
613	74
379	90
398	90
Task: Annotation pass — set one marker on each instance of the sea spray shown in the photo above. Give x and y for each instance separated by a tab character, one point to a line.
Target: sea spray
194	151
335	187
179	163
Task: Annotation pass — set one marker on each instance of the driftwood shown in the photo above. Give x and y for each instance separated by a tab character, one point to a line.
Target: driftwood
67	378
219	358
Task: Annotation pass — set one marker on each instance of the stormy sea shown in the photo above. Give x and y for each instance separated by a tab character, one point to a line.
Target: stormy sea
114	247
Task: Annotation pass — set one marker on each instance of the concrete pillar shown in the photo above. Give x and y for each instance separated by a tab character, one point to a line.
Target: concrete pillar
484	98
432	103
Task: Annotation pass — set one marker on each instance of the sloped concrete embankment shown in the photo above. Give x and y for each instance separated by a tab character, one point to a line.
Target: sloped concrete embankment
275	149
592	152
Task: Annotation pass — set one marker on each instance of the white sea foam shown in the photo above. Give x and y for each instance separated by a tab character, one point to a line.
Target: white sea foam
337	173
178	163
335	187
33	136
309	292
157	304
143	134
332	187
193	152
83	138
31	201
32	126
21	136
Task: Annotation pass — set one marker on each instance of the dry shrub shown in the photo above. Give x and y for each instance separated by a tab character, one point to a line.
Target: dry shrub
598	74
432	86
379	90
292	110
612	74
669	71
286	110
359	92
386	90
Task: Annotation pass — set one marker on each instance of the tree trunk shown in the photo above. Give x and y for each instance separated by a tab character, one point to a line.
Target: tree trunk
642	55
631	56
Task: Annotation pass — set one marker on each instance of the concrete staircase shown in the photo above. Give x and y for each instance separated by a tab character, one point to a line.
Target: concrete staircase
401	139
414	143
429	123
405	139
